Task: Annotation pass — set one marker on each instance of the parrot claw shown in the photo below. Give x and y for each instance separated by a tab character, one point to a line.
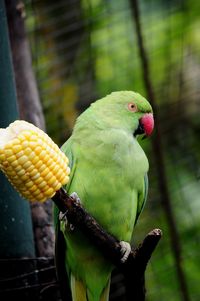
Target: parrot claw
75	196
125	250
62	216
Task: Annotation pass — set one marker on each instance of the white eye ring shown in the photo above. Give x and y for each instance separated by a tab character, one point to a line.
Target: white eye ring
132	107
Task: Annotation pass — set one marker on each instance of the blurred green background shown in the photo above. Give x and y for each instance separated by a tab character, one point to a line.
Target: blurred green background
84	49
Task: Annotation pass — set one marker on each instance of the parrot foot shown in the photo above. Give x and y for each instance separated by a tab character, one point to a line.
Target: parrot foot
63	216
125	250
76	198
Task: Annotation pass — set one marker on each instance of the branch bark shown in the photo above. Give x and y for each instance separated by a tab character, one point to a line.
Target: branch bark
134	268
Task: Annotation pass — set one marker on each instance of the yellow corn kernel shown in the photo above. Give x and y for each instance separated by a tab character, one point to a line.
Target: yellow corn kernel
18	168
11	159
36	176
50	162
14	163
23	159
33	188
2	157
38	150
64	179
42	168
25	177
33	144
48	176
43	156
20	154
5	165
21	137
25	144
57	186
45	172
26	164
49	191
32	162
29	184
21	172
30	168
42	184
53	167
36	192
11	173
52	180
28	151
16	182
34	159
17	148
38	164
38	180
56	168
27	134
33	173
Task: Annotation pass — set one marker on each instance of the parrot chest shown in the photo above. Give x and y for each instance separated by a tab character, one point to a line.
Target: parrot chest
109	181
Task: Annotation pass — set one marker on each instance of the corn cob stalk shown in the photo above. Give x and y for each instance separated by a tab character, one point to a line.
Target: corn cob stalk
32	162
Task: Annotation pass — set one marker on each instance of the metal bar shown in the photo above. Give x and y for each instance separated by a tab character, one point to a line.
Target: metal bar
16	238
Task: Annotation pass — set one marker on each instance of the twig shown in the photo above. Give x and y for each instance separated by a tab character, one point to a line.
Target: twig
135	266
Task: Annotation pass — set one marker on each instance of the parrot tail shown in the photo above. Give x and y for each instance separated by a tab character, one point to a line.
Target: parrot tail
105	294
79	291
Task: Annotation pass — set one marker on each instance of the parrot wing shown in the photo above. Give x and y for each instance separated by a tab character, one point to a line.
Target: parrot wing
77	287
142	198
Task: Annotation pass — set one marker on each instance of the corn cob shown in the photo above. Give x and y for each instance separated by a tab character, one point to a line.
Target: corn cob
32	162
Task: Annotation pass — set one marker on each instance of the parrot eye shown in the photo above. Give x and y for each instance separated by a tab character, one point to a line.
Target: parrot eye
132	107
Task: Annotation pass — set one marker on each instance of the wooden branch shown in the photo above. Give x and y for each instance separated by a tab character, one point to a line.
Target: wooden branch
134	268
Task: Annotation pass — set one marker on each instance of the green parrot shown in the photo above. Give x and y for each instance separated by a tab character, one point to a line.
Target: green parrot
109	175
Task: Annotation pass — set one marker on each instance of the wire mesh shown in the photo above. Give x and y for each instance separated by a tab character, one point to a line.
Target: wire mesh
83	50
39	282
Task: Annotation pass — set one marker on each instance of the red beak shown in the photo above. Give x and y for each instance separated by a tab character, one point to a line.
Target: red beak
147	122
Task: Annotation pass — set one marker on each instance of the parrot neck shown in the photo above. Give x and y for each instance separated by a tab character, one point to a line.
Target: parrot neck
95	132
96	121
111	146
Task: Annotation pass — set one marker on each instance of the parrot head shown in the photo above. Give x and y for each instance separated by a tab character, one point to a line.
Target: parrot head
126	110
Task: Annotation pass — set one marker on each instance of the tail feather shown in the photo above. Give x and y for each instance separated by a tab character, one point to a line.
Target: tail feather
105	294
78	290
